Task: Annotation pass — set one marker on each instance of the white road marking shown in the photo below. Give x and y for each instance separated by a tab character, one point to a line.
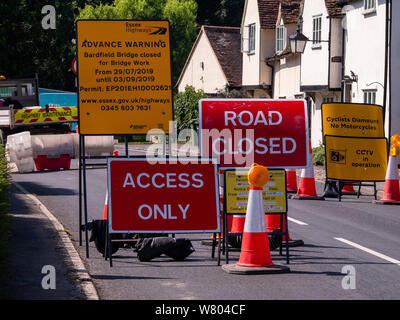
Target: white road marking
377	254
298	221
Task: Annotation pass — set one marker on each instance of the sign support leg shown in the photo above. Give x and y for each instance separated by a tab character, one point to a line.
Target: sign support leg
80	190
85	196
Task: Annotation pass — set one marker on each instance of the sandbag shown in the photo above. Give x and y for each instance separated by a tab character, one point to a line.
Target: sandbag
150	248
99	236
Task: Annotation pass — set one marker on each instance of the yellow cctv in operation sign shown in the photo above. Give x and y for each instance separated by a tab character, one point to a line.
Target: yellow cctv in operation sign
352	120
124	76
356	159
237	191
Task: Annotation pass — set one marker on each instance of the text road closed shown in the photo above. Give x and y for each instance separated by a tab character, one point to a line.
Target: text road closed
273	133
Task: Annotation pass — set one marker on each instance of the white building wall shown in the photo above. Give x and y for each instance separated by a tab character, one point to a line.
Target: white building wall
365	50
211	78
395	70
287	77
267	45
315	59
251	62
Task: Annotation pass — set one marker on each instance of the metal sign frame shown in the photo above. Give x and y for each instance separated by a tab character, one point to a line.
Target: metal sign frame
215	242
283	216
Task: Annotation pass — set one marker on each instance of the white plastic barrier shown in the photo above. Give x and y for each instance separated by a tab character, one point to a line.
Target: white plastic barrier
95	145
52	145
19	147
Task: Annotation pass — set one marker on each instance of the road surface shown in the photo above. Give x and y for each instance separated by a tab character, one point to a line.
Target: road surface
353	235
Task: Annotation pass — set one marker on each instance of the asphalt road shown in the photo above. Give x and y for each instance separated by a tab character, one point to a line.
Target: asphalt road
353	234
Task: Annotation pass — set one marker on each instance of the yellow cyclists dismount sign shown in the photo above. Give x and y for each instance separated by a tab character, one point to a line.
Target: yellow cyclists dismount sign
352	120
124	76
356	159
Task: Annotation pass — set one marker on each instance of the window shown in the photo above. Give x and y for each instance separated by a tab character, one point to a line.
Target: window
369	4
252	38
369	96
280	39
317	30
328	99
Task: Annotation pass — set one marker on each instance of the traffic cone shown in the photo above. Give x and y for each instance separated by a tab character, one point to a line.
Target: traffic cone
348	190
221	206
306	190
255	256
391	193
291	181
274	222
105	207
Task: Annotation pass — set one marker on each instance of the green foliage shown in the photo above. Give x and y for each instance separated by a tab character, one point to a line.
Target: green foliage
318	155
180	13
4	207
186	106
220	13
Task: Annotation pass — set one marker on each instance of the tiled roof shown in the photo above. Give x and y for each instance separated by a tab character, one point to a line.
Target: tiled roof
290	11
225	41
268	12
334	7
276	56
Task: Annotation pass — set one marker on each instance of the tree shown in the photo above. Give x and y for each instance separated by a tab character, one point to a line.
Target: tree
180	13
186	105
220	13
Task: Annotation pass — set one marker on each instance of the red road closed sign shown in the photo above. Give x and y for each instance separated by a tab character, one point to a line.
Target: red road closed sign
157	195
240	132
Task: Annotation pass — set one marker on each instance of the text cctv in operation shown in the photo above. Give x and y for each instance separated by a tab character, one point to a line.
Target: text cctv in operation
163	180
261	145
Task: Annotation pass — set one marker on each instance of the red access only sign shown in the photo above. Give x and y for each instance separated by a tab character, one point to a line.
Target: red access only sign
158	195
240	132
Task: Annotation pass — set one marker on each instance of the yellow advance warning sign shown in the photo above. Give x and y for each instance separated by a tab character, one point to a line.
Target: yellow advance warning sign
43	115
124	76
237	191
352	120
356	159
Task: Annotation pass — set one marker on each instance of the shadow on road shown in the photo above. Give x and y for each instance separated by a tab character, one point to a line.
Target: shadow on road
114	277
44	190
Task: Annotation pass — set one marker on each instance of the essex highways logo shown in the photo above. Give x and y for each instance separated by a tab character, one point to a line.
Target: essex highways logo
136	27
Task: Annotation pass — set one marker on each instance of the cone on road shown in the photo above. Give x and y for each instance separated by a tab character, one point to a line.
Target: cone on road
291	181
306	190
105	207
348	190
391	193
255	256
221	207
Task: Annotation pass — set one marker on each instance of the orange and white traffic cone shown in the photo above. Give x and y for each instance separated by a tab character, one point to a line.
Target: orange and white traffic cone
221	207
348	190
391	193
291	181
105	207
306	190
255	256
